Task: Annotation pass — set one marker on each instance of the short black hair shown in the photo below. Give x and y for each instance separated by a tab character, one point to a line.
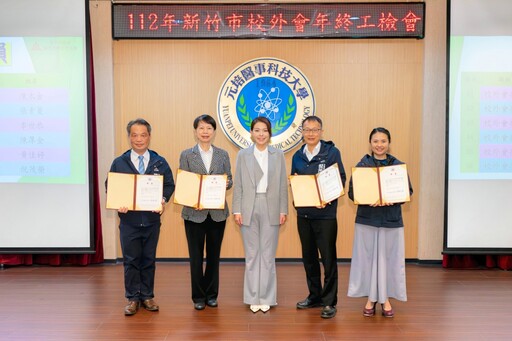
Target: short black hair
206	119
138	121
312	118
380	130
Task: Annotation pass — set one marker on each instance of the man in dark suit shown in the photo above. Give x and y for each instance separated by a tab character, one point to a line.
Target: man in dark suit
139	230
318	226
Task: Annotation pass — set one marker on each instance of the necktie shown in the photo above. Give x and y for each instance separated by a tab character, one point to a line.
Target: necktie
141	164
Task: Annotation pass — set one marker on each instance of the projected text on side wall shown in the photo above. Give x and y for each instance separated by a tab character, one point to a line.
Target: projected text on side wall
42	103
486	127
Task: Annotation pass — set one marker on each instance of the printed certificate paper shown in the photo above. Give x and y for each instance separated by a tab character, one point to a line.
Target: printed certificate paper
200	191
317	190
380	185
138	192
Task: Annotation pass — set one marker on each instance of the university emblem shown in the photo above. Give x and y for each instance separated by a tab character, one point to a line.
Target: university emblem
266	87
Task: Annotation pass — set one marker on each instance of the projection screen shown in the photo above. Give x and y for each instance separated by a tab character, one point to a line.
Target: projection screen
46	197
479	175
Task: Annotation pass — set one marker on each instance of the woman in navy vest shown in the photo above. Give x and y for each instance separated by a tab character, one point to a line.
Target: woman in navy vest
378	258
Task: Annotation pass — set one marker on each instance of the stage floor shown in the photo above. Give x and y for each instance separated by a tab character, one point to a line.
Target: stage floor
86	303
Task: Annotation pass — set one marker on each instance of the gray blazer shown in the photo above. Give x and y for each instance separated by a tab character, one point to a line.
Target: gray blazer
191	161
248	174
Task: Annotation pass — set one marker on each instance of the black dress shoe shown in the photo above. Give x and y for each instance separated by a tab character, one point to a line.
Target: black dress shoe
307	303
212	302
199	306
329	311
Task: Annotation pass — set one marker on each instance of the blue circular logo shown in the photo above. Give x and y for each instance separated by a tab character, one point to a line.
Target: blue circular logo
267	87
273	100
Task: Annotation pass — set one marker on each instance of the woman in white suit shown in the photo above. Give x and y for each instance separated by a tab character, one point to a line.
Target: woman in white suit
260	206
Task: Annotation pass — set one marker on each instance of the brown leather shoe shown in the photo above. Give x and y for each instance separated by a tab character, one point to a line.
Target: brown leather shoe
131	308
150	305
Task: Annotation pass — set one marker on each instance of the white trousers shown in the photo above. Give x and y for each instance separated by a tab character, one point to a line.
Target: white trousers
260	245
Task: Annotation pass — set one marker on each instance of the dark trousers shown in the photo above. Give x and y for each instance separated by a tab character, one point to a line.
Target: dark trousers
205	285
320	235
138	244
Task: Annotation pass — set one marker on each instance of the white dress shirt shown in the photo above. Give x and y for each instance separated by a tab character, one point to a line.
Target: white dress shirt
262	158
135	159
314	153
206	156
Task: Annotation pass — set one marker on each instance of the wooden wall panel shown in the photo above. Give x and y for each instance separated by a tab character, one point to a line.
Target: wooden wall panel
358	85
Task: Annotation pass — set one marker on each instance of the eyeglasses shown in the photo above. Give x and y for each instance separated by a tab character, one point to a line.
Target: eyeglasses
312	131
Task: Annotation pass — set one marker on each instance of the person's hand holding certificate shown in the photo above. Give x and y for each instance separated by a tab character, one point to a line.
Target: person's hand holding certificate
137	192
213	191
380	185
200	191
317	190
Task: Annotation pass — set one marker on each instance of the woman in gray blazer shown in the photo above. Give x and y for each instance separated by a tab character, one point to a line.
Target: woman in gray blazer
205	226
260	206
